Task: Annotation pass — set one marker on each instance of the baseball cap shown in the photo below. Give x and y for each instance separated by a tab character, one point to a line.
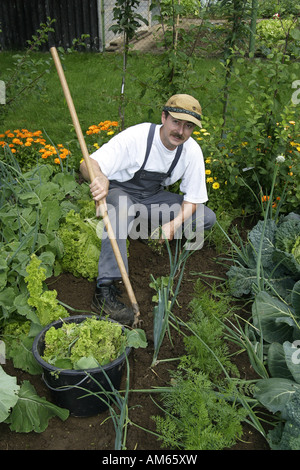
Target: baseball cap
184	107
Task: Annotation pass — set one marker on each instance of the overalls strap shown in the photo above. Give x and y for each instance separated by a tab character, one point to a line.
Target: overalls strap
149	145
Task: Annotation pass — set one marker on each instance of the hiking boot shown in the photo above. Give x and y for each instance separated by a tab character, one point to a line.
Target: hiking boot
105	302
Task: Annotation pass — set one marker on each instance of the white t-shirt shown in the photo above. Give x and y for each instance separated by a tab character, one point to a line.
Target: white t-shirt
124	154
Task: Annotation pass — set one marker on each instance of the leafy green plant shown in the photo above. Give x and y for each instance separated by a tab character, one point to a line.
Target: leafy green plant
166	296
28	70
44	301
196	418
33	205
127	22
275	34
207	314
185	8
88	344
118	406
269	8
265	263
81	237
270	271
23	409
278	324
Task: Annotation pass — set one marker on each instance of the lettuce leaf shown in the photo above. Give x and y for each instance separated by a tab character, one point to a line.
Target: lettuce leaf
47	306
99	340
81	238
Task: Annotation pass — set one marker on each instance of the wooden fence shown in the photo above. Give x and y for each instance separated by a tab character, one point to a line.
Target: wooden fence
20	19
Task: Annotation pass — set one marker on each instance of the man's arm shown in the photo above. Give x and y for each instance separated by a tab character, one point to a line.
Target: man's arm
186	211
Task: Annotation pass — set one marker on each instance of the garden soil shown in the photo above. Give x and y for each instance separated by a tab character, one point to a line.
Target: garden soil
97	432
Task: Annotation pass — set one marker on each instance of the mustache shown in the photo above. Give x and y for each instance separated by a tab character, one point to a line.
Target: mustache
178	136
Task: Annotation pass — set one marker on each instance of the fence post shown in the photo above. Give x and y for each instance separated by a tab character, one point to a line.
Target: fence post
101	28
2	92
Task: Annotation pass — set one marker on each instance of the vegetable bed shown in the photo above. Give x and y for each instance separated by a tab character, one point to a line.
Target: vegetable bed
97	432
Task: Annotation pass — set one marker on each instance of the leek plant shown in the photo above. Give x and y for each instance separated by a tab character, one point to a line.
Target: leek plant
166	296
117	404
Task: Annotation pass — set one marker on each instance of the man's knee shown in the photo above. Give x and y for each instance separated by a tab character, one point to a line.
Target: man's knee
209	218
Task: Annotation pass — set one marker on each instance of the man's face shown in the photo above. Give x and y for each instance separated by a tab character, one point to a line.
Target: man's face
175	132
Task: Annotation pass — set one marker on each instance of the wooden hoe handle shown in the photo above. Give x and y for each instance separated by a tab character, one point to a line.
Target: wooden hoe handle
102	206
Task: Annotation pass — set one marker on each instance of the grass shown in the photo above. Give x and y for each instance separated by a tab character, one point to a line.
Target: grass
95	85
95	82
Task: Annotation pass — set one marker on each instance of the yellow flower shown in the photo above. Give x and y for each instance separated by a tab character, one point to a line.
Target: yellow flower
209	180
110	133
208	160
207	172
216	185
196	132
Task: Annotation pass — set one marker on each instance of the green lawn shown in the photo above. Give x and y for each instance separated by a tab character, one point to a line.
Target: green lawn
95	85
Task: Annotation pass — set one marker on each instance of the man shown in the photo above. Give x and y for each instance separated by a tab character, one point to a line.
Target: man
130	173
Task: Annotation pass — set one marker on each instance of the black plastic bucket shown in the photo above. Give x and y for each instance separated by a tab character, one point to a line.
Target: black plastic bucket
67	386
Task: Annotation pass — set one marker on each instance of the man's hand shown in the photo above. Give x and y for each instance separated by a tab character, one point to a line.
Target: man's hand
169	229
99	187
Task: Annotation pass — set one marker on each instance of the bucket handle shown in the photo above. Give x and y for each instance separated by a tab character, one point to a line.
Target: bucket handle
64	389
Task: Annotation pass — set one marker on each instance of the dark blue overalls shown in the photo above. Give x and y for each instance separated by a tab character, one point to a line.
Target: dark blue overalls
143	195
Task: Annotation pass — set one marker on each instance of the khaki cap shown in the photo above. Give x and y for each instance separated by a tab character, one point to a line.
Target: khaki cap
184	107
